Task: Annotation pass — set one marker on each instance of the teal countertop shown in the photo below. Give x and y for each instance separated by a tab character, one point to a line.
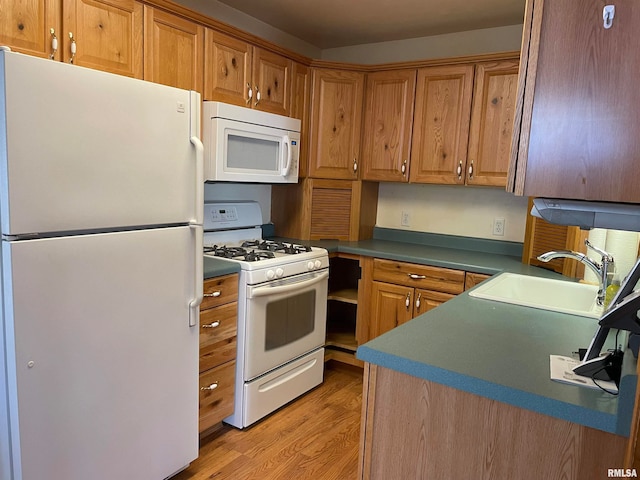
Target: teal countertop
501	351
214	267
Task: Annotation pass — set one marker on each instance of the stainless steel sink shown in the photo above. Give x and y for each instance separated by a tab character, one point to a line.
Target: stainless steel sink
544	293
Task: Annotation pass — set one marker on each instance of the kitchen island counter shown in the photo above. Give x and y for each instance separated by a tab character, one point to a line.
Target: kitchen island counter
501	351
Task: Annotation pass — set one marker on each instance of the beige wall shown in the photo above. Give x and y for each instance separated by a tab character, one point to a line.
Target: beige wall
475	42
453	210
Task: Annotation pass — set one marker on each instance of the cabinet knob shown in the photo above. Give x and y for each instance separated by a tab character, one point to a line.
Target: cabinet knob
213	386
355	165
608	13
407	302
258	96
403	169
471	169
418	302
54	43
459	170
415	276
249	93
212	325
72	47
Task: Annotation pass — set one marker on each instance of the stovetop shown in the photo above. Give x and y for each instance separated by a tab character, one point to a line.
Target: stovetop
256	250
232	233
268	254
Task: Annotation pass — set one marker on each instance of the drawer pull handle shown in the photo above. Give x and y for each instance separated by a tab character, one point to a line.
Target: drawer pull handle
212	325
214	294
213	386
415	276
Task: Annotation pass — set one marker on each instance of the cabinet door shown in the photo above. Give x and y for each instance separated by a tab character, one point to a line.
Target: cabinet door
336	113
472	279
441	124
107	35
494	103
300	103
227	75
271	82
426	300
173	50
579	130
25	26
388	119
392	306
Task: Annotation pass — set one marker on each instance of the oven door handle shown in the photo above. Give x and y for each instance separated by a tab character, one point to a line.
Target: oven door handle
292	287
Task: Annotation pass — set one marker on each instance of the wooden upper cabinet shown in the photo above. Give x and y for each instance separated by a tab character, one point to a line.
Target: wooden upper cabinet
577	129
235	72
441	124
107	35
492	115
271	82
300	106
388	119
26	26
173	50
336	113
227	74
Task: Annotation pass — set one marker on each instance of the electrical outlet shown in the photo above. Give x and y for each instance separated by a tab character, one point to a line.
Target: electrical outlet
498	227
405	220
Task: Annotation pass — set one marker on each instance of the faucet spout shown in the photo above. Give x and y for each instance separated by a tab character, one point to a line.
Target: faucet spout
600	269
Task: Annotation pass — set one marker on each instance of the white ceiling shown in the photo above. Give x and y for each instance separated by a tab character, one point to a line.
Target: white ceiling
339	23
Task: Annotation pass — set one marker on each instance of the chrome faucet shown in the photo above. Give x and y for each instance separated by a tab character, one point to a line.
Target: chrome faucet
602	269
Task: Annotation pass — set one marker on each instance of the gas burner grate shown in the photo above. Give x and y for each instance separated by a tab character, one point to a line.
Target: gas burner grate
289	248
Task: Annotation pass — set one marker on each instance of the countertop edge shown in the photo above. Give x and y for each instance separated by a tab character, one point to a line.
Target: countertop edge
511	396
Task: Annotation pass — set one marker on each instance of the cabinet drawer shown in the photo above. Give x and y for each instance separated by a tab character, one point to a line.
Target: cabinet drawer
420	276
216	404
223	290
218	331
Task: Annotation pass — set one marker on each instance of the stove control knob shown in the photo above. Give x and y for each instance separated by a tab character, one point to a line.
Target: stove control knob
270	274
279	272
317	264
310	266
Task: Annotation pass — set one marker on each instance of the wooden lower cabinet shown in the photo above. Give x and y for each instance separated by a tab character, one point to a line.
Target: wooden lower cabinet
414	428
472	279
216	402
218	345
401	291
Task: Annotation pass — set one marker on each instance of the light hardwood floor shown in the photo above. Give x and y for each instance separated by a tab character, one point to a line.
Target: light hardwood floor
314	437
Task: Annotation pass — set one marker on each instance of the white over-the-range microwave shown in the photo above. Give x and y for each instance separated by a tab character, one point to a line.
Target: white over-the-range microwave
246	145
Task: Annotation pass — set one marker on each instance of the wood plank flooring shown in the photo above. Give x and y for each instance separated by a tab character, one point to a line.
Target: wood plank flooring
314	437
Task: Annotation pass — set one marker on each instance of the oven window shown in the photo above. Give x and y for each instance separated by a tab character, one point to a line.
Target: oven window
290	319
252	153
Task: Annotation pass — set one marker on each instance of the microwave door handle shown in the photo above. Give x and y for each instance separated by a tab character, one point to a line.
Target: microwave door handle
287	141
292	287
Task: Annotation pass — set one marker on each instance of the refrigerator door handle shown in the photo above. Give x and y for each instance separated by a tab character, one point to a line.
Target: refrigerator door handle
199	211
194	304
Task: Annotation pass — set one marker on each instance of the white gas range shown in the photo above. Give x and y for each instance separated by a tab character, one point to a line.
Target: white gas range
282	303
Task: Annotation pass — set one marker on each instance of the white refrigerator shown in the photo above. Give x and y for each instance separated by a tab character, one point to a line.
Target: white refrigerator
101	197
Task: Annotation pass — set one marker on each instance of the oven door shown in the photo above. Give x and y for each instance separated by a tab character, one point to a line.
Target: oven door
284	320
